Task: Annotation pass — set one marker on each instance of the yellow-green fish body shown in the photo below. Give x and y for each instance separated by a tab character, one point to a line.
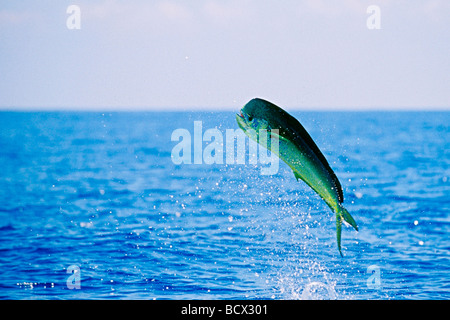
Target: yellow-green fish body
297	149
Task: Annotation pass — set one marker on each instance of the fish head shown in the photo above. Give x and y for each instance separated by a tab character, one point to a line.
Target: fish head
254	116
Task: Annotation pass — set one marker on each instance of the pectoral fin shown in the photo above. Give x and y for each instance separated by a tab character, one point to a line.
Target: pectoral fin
278	136
285	140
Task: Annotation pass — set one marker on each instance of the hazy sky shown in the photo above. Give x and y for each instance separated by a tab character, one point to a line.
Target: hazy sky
141	54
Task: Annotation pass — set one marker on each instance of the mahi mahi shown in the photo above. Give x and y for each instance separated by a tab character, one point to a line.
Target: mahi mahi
298	150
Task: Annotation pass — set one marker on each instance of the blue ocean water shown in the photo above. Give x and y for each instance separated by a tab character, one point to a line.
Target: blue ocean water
100	192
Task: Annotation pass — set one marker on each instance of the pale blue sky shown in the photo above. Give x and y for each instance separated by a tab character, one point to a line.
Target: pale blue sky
170	54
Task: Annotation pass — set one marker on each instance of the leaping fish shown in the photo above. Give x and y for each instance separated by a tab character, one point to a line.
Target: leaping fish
298	150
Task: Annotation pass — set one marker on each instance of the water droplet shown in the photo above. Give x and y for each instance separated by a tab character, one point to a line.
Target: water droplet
318	291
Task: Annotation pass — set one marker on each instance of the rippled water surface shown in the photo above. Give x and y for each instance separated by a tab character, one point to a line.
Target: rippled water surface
100	192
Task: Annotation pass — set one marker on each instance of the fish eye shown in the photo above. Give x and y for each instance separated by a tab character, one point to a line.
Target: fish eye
250	118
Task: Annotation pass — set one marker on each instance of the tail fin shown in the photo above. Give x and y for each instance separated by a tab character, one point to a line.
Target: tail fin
343	215
339	231
348	217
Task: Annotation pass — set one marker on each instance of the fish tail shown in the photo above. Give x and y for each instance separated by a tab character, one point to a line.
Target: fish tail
347	217
343	215
339	231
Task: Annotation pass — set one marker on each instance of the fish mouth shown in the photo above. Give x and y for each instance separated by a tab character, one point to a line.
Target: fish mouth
241	120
